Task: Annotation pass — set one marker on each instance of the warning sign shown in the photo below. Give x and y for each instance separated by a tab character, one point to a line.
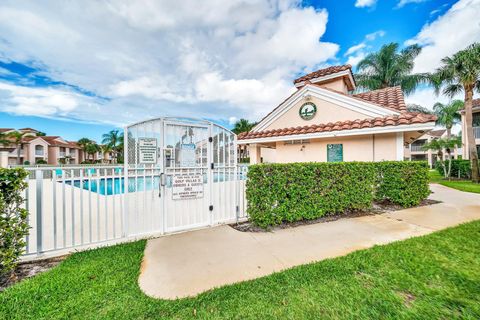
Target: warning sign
147	150
187	186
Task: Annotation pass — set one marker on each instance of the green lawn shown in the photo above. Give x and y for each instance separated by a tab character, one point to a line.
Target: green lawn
431	277
462	185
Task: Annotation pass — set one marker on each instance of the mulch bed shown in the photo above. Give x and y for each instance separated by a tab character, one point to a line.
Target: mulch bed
378	208
29	269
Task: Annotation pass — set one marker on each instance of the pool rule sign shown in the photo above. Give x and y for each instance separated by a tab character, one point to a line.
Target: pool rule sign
187	186
147	150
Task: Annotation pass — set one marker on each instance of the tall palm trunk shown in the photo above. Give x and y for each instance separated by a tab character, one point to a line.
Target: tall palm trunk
472	150
19	149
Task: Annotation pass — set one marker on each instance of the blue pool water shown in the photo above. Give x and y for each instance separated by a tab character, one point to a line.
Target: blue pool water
110	186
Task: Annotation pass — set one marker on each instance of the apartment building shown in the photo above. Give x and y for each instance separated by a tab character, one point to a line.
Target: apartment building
35	148
414	151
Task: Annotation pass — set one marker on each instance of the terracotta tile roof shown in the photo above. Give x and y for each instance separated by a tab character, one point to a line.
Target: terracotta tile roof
476	103
402	119
6	129
389	97
323	72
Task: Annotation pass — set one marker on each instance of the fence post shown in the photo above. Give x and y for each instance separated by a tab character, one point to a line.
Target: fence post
39	200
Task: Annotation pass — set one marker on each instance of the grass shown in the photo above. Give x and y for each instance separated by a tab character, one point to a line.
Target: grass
432	277
462	185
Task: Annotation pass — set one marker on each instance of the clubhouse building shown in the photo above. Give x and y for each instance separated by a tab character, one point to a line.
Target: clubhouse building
323	121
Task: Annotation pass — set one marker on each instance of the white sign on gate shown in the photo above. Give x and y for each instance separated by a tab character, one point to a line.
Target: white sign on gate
147	150
187	155
187	186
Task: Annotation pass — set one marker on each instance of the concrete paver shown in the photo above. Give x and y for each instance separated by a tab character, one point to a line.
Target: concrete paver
187	264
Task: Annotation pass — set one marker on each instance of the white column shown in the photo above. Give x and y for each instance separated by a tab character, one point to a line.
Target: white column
399	144
3	159
255	153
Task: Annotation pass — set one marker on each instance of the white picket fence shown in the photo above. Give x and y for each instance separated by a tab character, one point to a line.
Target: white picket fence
75	208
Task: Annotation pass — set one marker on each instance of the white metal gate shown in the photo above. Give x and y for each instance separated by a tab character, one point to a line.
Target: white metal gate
179	174
84	206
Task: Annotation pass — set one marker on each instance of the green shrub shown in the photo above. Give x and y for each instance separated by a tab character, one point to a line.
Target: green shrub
460	169
13	219
403	183
290	192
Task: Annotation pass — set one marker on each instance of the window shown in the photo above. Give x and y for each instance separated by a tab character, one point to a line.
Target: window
39	150
476	119
291	142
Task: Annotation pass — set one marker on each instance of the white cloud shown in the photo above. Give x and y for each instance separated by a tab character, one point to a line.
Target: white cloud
449	33
355	48
355	59
365	3
232	120
374	35
402	3
44	102
426	98
212	58
357	52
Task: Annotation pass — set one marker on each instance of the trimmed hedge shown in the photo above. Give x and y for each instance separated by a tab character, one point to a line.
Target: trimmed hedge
13	219
403	183
290	192
460	169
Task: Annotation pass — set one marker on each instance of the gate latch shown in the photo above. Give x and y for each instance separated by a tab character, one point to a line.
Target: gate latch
210	208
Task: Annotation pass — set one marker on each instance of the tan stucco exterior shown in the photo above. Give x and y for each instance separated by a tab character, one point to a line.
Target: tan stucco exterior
326	112
376	147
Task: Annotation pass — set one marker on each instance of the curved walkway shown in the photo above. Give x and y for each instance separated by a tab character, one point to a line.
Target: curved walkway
187	264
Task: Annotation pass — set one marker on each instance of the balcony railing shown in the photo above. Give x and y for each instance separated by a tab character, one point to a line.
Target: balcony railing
39	152
476	132
62	154
417	148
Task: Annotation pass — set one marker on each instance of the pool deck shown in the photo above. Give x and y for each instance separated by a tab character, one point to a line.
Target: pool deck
186	264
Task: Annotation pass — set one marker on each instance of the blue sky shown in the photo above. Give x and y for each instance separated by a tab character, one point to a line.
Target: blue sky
82	69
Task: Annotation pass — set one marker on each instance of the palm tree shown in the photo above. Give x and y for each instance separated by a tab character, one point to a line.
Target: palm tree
389	68
441	144
243	125
113	139
83	143
17	139
4	141
461	72
412	107
106	148
448	114
91	149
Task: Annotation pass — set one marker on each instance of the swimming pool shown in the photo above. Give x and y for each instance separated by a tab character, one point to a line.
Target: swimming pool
113	186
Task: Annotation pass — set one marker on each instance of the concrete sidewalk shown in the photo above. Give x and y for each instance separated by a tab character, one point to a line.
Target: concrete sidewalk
189	263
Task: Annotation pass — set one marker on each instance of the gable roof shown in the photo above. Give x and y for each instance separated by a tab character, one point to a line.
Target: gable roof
358	104
327	74
323	72
406	118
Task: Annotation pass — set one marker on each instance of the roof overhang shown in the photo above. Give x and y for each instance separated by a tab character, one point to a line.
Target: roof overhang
326	78
354	104
344	133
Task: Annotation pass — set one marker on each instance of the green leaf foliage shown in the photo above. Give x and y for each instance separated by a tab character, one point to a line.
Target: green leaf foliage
460	169
278	193
13	218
